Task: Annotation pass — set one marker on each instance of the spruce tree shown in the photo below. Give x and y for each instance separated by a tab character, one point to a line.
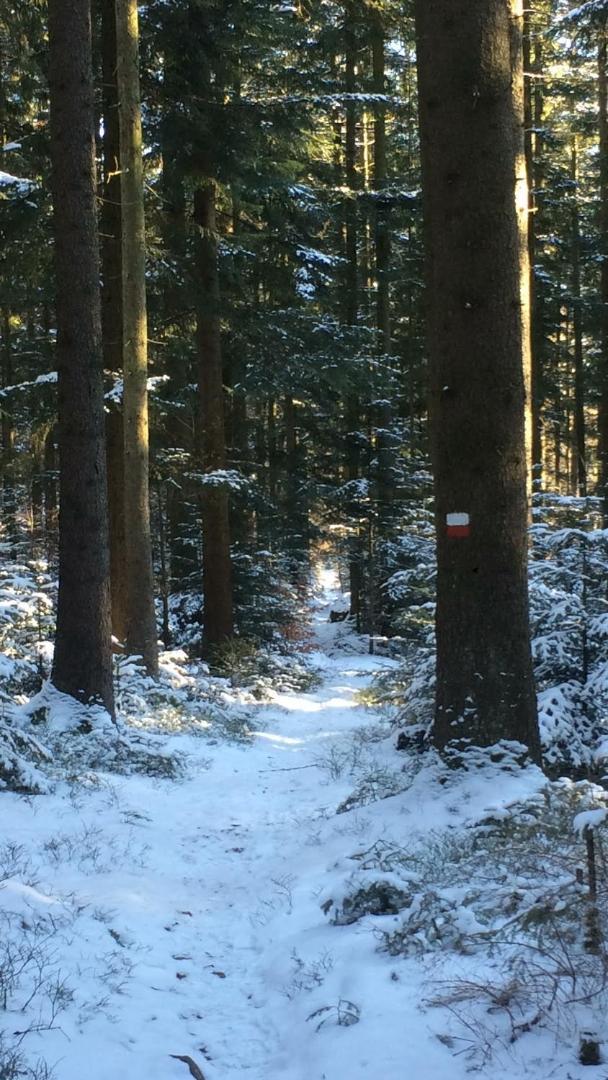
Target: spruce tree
82	665
471	123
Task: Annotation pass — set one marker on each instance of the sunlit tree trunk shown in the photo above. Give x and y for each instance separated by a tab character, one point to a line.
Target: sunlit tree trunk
351	309
7	430
383	253
82	664
579	456
475	208
111	314
141	636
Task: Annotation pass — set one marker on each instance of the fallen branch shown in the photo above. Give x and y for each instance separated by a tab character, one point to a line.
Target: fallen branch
192	1066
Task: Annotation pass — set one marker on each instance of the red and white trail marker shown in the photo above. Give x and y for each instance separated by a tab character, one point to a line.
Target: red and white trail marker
458	525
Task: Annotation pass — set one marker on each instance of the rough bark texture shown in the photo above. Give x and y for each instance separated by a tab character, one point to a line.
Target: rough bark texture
82	663
111	313
141	618
471	116
217	569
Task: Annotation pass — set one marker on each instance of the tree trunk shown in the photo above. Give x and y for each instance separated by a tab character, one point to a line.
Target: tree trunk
532	122
602	83
141	617
217	569
384	448
351	309
579	451
471	118
9	508
82	665
111	314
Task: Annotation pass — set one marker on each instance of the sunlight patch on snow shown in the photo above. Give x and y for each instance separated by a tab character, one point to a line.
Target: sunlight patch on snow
281	740
327	577
285	741
12	890
305	705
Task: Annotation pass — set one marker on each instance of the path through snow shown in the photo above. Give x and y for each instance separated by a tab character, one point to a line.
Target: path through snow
195	924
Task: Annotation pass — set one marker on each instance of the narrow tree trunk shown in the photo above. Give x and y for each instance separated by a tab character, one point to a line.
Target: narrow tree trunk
111	314
383	252
351	309
115	458
9	507
49	489
217	569
579	451
471	117
82	664
602	83
141	618
532	120
296	503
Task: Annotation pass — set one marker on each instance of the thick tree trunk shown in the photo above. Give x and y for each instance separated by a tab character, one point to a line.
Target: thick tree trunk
217	568
141	617
471	117
111	314
82	664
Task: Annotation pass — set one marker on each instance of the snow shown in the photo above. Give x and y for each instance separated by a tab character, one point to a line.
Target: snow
589	820
192	917
7	180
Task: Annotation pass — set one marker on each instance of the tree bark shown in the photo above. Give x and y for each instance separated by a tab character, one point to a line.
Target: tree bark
471	117
602	84
111	314
217	568
141	618
533	103
384	447
579	455
82	665
351	311
7	431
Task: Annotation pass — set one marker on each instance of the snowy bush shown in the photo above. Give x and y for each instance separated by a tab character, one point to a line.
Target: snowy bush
513	884
22	761
568	613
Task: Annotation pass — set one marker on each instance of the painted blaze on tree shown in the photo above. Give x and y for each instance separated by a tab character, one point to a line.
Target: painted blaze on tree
471	120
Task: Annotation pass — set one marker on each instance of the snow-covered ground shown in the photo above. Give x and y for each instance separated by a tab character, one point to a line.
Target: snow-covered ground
193	917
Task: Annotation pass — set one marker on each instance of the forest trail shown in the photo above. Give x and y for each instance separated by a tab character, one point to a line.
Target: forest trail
200	930
193	917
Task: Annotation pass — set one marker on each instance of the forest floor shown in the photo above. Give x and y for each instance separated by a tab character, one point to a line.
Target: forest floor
196	917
